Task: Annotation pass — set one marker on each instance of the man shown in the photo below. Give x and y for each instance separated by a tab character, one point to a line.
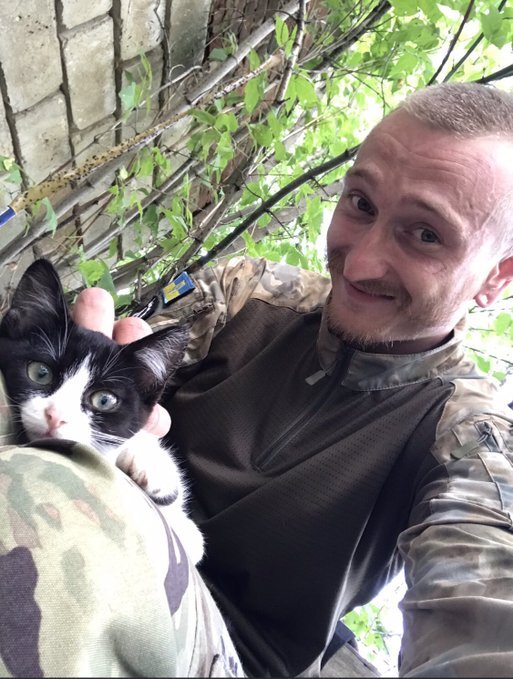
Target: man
333	431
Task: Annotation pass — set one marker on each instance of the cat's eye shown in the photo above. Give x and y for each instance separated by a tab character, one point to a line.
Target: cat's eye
39	373
104	401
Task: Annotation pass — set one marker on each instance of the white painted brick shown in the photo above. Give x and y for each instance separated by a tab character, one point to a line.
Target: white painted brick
97	226
14	229
5	135
141	26
98	138
89	58
43	136
187	35
12	272
29	51
75	12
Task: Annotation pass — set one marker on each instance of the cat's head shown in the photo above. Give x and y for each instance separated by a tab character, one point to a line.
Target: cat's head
69	382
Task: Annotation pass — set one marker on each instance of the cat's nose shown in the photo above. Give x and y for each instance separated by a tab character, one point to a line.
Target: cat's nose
54	418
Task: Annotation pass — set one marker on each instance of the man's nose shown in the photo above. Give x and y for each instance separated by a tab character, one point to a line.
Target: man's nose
54	417
367	258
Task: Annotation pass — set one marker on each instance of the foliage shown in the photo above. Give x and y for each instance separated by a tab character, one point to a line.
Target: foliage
176	199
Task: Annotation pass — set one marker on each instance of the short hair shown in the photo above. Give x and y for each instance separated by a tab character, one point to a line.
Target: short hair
469	110
463	109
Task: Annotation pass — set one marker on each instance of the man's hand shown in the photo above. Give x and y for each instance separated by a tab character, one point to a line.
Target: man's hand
94	309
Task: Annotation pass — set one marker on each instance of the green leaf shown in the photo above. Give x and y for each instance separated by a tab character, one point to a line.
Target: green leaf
151	218
204	116
405	64
290	43
281	31
227	121
218	54
113	247
254	60
145	164
430	10
91	270
105	281
262	135
305	91
405	7
252	95
130	96
280	151
11	168
483	363
502	323
50	216
290	95
490	23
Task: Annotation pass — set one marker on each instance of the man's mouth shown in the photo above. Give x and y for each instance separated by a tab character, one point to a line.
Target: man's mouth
367	294
372	292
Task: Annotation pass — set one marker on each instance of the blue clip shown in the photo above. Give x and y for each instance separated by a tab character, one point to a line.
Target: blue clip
179	287
6	215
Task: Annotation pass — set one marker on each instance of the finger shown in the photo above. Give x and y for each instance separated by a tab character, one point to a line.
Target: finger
159	421
129	329
94	309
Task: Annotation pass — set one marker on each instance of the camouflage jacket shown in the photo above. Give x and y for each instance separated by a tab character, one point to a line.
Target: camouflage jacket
318	470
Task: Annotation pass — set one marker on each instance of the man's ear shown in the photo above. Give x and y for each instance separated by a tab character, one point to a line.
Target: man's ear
499	278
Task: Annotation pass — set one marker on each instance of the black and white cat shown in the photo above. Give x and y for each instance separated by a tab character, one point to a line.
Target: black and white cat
67	382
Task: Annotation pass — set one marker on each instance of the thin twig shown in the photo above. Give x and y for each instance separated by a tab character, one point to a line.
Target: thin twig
472	47
453	42
294	54
354	34
505	72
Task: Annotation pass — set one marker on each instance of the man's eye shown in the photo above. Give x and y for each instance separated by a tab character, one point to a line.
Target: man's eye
104	401
39	373
361	204
426	235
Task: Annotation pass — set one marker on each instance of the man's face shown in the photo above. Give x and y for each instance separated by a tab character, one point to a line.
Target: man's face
414	236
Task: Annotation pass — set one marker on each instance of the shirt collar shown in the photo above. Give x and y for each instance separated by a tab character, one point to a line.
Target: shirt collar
369	372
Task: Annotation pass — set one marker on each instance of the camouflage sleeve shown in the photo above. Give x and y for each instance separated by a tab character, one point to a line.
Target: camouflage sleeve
92	581
458	550
6	421
221	291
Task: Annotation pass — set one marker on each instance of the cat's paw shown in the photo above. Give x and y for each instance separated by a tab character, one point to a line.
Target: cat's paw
148	464
186	531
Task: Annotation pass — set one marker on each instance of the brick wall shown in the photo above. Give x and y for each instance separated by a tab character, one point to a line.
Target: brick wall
62	66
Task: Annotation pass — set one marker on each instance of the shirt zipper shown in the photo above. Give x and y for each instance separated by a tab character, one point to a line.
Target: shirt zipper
302	421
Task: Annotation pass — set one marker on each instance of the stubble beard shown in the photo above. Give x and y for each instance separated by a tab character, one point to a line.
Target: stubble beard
415	323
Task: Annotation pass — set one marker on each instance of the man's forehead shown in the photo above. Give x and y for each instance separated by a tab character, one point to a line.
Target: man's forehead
409	133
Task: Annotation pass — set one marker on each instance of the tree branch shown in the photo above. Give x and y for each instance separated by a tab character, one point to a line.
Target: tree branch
294	54
472	47
266	205
453	42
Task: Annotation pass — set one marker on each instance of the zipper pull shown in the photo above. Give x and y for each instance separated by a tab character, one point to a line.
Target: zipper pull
316	377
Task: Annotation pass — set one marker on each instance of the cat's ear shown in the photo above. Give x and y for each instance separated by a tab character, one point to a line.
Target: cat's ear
156	358
37	302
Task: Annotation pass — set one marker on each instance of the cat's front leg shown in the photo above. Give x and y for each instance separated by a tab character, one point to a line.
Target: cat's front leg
151	466
154	469
187	532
